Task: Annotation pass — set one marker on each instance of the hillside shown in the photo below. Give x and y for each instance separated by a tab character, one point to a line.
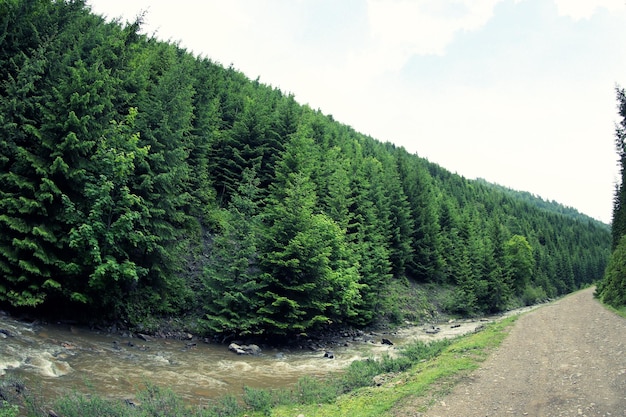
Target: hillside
612	289
138	181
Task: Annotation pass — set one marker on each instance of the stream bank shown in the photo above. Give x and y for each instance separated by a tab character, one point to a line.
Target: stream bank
62	358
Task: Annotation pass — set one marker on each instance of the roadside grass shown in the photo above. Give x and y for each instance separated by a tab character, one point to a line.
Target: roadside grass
619	311
410	380
422	379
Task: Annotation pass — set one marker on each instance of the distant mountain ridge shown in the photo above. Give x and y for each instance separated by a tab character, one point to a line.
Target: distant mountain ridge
550	205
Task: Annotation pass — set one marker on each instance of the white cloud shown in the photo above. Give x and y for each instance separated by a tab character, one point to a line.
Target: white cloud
584	9
424	27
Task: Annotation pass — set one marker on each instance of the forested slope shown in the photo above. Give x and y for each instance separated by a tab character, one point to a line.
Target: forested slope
612	289
138	180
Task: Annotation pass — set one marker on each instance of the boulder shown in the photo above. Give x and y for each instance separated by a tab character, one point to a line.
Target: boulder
432	330
251	349
234	347
379	380
144	337
244	349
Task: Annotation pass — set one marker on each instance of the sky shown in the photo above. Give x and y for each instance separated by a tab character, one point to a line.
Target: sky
518	92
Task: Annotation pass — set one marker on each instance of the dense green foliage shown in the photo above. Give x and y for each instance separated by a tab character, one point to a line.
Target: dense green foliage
612	289
137	180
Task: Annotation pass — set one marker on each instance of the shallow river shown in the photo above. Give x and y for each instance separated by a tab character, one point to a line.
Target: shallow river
54	359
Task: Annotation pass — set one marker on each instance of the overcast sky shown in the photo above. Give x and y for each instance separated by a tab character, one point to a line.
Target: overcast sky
519	92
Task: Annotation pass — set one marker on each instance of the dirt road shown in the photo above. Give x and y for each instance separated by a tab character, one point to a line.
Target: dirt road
567	358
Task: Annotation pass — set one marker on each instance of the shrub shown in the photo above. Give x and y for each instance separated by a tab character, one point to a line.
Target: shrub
79	405
8	410
612	289
314	390
258	399
533	295
226	406
418	351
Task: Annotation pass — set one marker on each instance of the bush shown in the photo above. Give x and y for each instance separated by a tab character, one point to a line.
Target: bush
226	406
359	374
8	410
313	390
79	405
258	399
612	289
533	295
418	351
460	301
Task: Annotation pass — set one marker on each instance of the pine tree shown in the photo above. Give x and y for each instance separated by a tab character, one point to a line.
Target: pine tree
231	280
612	290
401	225
164	121
307	277
618	226
426	262
368	237
26	257
498	287
57	103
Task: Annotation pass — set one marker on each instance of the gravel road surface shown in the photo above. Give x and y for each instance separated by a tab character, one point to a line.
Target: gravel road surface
567	358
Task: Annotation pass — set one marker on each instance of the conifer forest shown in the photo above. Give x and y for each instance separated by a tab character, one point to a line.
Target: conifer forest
139	181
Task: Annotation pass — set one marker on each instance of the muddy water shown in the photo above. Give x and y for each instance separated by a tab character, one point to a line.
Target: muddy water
56	359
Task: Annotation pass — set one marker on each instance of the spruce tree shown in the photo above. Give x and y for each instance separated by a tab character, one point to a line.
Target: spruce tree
425	263
368	237
307	277
232	285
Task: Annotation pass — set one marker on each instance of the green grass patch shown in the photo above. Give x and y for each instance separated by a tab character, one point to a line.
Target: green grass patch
619	311
462	355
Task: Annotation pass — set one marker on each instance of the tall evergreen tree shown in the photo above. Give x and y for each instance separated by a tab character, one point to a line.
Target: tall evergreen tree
401	224
232	280
618	225
498	287
58	103
368	237
308	281
612	290
425	264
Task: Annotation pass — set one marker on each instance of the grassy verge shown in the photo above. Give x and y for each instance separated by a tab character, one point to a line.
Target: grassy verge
368	387
423	379
619	311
